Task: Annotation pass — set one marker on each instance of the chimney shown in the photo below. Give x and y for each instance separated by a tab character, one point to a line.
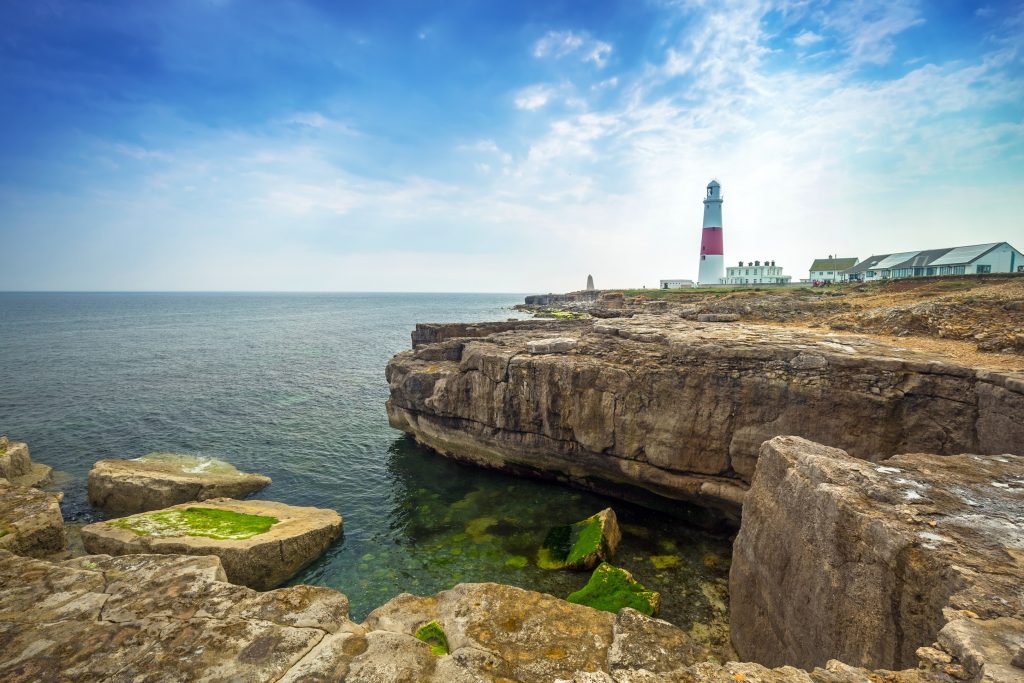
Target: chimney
741	264
773	263
757	263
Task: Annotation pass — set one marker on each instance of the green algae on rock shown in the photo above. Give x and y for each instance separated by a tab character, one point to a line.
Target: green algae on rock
433	635
581	545
196	521
612	588
260	543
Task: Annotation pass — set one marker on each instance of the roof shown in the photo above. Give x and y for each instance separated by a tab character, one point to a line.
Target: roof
949	256
714	183
833	263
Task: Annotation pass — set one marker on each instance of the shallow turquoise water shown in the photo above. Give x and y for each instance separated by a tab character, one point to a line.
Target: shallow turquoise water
292	386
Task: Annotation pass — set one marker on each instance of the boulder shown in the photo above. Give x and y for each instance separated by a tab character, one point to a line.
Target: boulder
581	545
613	588
873	563
159	480
16	465
30	521
261	544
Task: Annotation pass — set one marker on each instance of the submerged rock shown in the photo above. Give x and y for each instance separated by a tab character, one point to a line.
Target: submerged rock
16	465
612	588
30	521
581	545
838	558
159	480
260	543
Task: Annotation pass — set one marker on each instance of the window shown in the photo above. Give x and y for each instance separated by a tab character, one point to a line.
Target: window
983	269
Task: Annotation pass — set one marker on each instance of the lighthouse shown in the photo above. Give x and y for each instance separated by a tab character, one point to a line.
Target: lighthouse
711	264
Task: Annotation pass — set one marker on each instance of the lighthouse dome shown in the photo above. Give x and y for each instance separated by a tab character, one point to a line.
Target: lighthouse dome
714	183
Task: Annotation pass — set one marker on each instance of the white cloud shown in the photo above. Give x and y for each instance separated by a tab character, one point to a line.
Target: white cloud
868	27
807	38
533	97
558	44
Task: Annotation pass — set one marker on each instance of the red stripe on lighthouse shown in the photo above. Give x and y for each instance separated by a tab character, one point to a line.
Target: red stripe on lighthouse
711	242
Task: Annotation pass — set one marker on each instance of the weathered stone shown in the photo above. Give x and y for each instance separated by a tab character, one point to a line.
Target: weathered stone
581	545
159	480
717	317
173	618
16	465
684	419
262	560
862	562
80	620
613	588
30	521
554	345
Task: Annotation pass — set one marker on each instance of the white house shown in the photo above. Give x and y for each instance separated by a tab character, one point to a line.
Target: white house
976	259
831	269
754	272
675	284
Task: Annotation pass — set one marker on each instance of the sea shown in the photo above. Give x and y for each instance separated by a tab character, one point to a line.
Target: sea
292	386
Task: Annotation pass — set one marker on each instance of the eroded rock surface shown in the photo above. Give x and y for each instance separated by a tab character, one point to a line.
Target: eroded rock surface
174	618
868	562
159	480
16	465
30	521
262	561
679	408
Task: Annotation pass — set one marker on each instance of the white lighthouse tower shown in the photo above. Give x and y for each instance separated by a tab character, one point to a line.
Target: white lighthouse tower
712	266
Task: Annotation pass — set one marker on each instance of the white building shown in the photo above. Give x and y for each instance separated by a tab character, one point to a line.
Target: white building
831	269
977	259
675	284
755	273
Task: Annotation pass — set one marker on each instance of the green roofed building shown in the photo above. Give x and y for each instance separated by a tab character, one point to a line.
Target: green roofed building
831	269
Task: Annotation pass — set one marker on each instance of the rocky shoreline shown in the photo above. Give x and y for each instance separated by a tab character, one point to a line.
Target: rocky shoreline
907	571
878	491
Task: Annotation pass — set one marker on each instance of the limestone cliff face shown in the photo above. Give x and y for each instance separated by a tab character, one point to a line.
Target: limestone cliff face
680	408
867	563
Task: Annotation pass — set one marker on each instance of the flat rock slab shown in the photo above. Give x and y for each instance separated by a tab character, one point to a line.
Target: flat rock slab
556	345
260	543
159	480
30	521
16	465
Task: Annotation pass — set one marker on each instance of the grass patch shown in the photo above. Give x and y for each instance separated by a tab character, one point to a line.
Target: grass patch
433	635
203	522
610	589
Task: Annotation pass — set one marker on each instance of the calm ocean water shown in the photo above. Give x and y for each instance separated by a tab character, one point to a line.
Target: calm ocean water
292	386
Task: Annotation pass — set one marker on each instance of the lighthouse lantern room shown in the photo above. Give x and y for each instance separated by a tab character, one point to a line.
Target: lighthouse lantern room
712	267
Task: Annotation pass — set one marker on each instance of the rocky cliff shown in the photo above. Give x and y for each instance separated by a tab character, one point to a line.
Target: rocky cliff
679	408
838	558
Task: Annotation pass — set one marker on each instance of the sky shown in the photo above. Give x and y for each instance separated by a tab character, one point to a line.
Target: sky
495	146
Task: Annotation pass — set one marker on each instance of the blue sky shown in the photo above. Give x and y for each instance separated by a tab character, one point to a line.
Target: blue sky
494	146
